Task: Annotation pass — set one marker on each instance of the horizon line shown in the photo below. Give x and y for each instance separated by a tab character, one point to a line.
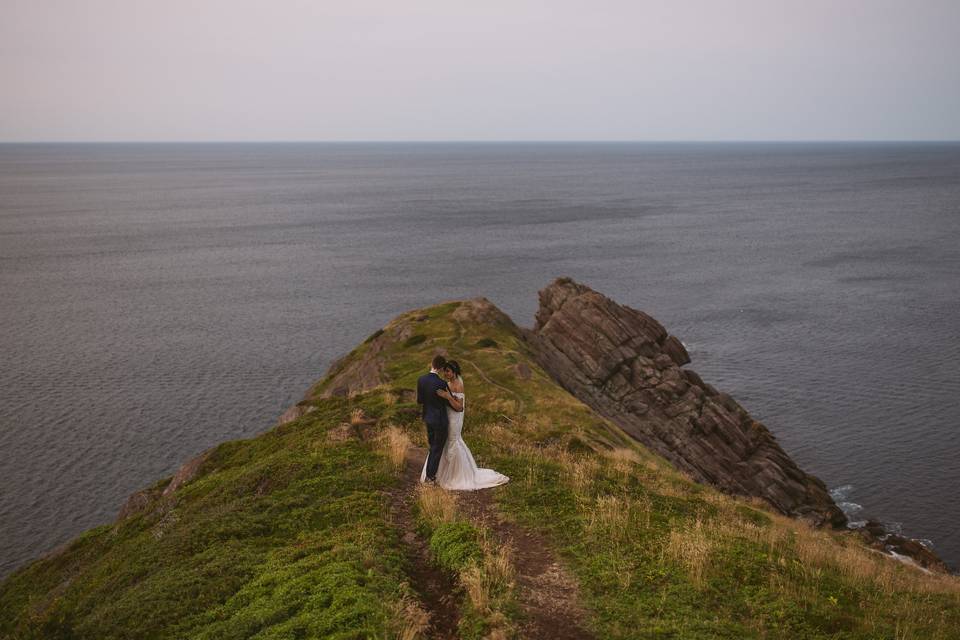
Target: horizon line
509	141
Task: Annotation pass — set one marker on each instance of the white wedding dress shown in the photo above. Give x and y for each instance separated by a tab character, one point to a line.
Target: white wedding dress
458	471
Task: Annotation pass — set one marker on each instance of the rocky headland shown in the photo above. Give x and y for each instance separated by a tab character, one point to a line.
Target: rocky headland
643	502
626	366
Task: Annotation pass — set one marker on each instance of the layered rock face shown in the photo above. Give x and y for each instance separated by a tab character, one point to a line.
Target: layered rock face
624	364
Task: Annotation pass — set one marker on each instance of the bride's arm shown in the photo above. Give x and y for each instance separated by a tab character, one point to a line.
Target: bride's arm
454	401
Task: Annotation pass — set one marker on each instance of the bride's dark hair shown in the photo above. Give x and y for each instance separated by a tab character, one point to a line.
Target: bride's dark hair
454	366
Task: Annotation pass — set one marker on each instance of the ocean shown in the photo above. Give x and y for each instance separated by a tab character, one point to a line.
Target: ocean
157	299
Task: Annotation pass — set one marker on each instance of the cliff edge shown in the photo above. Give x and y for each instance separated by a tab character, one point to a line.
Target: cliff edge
623	364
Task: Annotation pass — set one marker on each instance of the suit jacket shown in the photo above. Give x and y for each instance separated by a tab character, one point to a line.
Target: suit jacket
434	407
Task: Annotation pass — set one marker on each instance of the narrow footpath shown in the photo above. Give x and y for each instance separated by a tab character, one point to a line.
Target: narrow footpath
548	593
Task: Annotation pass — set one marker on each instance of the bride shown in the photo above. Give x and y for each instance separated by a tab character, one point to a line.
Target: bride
458	470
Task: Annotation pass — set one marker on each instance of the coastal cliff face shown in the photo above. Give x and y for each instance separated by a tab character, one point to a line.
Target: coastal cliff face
624	365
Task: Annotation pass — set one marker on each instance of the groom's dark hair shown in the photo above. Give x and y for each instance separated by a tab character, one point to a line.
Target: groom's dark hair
439	362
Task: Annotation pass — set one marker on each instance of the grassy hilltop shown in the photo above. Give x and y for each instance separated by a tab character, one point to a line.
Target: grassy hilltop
316	529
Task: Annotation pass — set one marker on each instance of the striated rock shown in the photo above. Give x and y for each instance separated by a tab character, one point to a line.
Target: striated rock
351	375
146	499
187	472
624	364
136	503
139	501
295	412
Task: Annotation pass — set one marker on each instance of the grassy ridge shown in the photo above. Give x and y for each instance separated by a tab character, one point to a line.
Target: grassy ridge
288	535
656	554
281	536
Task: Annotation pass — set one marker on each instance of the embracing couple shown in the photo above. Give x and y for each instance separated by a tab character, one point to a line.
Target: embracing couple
450	463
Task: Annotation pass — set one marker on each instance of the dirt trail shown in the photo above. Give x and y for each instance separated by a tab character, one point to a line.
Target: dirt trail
437	590
547	592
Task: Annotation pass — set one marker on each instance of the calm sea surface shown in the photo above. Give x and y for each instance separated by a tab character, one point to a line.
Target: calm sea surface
158	299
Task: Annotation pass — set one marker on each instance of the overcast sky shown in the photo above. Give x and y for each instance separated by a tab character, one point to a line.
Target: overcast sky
479	70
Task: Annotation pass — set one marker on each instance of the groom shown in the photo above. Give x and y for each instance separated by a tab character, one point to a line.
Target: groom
434	413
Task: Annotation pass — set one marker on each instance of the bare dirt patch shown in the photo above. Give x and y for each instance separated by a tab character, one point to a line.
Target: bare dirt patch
548	593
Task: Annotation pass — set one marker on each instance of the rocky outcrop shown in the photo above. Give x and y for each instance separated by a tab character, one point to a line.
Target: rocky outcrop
356	373
141	501
136	503
295	412
624	364
877	537
187	472
481	311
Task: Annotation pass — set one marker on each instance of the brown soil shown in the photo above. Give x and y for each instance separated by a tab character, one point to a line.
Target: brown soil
437	589
548	593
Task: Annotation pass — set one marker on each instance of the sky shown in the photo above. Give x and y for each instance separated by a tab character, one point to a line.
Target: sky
245	70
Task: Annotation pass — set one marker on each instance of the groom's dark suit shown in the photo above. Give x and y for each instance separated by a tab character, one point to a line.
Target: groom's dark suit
435	417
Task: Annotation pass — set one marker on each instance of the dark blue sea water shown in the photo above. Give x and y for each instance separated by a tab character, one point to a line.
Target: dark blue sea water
158	299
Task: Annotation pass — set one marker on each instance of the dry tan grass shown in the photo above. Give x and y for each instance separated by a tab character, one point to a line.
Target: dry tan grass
409	620
652	466
490	584
672	487
786	541
724	529
494	575
357	417
507	405
499	434
610	516
624	455
534	457
818	549
791	543
623	468
396	443
436	504
720	500
691	547
583	473
654	473
340	433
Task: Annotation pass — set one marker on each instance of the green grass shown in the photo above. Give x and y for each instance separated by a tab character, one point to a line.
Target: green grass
455	545
281	536
288	535
486	588
762	576
414	340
